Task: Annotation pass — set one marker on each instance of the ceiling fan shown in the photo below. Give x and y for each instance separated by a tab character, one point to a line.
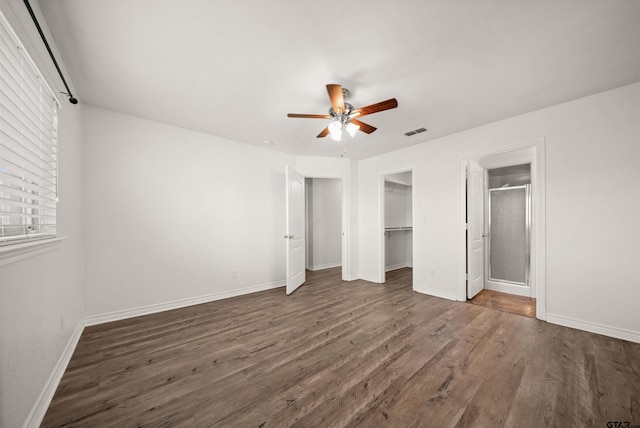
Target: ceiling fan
344	117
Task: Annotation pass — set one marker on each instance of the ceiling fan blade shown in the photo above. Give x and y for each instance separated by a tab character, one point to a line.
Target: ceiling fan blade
367	129
324	133
310	116
337	98
374	108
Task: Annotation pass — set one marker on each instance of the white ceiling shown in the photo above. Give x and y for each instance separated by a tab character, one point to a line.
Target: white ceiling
235	68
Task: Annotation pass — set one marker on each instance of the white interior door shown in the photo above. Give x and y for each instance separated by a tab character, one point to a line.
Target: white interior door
295	225
475	230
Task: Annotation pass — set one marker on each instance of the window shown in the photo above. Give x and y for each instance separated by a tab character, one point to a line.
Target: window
28	146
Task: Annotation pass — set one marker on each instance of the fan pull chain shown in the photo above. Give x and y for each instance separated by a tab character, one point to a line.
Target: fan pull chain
344	153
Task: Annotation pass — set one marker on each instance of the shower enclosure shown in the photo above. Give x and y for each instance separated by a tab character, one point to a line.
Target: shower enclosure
509	239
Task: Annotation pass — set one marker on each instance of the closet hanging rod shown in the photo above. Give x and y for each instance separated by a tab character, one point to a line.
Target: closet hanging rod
393	229
72	100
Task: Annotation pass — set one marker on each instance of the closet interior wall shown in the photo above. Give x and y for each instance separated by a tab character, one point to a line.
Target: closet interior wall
323	223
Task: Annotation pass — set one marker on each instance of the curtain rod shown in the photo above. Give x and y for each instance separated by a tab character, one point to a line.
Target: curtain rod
72	100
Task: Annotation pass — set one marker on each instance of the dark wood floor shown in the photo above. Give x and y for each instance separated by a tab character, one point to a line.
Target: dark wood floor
519	305
345	354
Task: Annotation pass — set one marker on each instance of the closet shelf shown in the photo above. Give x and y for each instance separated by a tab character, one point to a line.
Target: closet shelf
393	229
395	181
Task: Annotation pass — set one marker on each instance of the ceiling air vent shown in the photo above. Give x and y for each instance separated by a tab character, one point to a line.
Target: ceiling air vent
415	131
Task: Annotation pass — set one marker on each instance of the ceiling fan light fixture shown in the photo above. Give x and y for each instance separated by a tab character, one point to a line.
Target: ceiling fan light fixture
336	136
335	127
352	129
335	130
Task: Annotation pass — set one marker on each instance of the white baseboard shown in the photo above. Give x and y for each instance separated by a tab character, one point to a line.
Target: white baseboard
434	292
352	277
325	266
502	287
618	333
160	307
397	266
370	278
39	409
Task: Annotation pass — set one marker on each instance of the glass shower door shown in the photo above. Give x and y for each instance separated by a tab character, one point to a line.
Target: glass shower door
509	226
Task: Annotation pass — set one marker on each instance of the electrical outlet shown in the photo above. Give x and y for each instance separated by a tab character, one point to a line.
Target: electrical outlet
234	274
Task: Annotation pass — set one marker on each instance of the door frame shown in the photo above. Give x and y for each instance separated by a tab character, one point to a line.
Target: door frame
382	274
532	152
346	232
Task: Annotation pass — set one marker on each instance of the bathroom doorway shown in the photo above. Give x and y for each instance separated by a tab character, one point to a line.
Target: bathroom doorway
508	226
519	270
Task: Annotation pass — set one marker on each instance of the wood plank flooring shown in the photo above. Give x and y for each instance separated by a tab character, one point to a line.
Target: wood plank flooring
345	354
519	305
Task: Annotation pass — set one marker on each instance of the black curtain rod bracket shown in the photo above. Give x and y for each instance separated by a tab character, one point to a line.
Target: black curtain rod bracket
72	99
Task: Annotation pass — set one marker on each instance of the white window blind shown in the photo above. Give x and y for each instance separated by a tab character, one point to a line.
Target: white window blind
28	146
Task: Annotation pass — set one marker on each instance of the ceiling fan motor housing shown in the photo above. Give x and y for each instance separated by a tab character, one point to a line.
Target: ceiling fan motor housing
344	117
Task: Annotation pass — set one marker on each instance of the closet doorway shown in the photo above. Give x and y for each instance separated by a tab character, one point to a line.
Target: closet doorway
323	208
397	218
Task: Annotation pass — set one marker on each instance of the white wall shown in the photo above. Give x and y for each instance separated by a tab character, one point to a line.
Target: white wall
592	207
395	246
42	297
171	213
397	205
180	210
324	220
